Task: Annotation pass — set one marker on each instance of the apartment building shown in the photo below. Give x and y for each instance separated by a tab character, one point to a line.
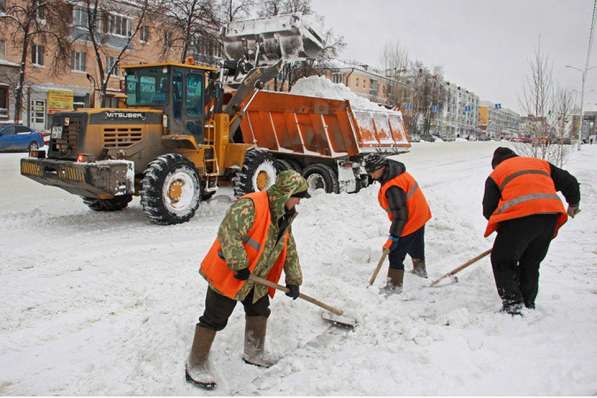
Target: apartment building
458	116
496	121
47	90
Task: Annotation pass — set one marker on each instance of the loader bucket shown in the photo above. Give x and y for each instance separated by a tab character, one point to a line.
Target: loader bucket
319	127
282	36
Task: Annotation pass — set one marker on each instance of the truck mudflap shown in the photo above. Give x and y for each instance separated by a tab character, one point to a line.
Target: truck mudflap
103	179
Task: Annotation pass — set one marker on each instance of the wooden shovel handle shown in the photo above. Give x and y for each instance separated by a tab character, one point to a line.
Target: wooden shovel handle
310	299
461	267
379	264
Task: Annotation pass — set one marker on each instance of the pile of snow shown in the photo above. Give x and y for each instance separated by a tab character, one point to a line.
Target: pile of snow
319	86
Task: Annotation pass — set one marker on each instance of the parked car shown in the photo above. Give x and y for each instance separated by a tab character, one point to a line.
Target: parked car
18	138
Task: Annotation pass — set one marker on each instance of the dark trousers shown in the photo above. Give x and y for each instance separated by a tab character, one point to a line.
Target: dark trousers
413	245
218	309
520	246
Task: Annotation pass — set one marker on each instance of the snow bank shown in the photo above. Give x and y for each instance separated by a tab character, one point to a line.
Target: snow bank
106	303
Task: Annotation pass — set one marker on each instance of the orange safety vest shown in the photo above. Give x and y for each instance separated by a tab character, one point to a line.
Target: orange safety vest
214	268
418	209
526	188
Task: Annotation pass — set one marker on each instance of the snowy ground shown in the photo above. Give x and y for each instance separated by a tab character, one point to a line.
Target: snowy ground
105	304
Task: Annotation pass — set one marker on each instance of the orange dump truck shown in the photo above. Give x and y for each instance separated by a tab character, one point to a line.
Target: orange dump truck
325	139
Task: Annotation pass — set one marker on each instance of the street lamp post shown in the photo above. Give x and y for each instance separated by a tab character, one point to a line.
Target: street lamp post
582	98
584	72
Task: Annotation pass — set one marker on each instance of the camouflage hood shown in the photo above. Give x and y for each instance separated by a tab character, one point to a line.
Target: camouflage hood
288	183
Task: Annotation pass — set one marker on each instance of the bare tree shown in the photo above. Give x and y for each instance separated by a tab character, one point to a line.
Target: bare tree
542	105
422	99
43	24
189	23
302	6
236	9
270	8
106	28
561	115
394	60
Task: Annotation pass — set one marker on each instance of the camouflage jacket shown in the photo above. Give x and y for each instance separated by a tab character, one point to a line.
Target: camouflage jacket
237	223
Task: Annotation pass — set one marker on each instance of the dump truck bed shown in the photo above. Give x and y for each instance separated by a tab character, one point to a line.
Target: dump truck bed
322	127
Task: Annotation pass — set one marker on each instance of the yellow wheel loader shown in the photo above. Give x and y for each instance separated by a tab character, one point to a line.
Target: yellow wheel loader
181	134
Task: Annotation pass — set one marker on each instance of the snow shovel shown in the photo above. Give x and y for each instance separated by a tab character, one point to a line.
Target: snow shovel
334	315
460	268
379	264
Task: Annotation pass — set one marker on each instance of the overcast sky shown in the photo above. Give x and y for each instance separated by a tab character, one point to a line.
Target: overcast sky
482	45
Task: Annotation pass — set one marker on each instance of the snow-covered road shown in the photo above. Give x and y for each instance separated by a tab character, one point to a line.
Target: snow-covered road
105	303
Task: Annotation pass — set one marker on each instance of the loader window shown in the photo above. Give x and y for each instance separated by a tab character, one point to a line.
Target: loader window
147	86
194	102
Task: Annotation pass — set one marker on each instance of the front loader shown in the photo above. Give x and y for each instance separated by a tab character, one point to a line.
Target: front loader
172	144
188	129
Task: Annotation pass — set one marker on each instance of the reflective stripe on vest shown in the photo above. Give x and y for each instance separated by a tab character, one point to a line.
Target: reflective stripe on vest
218	273
526	188
251	242
521	173
416	204
412	191
525	198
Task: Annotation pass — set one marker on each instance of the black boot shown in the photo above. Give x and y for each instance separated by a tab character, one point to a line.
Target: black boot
419	267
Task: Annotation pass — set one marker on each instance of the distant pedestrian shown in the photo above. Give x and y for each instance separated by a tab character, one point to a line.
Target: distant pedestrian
403	200
521	204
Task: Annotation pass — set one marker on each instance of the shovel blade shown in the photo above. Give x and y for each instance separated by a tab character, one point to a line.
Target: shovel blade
339	320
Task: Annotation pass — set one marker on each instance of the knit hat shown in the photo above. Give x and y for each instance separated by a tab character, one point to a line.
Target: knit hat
501	153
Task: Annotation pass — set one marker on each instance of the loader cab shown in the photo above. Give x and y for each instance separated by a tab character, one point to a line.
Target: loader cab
177	89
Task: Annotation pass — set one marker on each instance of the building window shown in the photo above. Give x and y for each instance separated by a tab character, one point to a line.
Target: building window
337	78
40	13
109	63
168	39
38	113
37	54
78	61
119	25
80	17
144	35
3	102
2	49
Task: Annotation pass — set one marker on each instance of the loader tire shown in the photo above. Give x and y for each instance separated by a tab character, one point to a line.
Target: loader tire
321	176
257	174
115	204
170	190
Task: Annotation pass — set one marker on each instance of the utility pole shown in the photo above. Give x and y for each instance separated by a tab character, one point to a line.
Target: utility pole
584	74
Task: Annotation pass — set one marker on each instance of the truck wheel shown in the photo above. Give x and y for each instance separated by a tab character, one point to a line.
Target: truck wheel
321	176
115	204
281	165
257	174
170	190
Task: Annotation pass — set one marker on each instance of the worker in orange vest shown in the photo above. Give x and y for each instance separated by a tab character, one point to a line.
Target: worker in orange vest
254	238
403	200
522	205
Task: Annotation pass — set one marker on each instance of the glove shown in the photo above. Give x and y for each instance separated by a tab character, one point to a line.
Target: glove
242	274
573	210
293	291
391	243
